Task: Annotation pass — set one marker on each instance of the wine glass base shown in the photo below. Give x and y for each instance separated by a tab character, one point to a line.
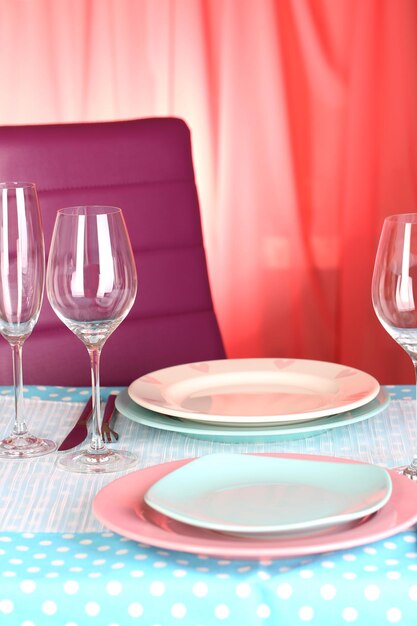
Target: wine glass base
25	446
89	462
408	472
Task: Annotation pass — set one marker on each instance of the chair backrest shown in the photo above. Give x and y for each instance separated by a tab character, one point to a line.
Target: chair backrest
145	167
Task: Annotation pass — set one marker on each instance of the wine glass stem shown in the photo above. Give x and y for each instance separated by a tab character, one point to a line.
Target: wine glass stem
96	444
20	427
413	464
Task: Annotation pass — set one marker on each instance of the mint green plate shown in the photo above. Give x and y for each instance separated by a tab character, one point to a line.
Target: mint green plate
250	494
235	434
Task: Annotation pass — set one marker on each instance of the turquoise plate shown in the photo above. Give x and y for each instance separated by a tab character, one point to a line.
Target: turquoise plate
242	493
236	434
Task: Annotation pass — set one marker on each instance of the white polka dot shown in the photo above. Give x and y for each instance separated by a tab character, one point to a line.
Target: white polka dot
33	570
394	615
27	623
306	573
390	545
27	586
157	588
372	592
135	609
52	575
117	565
71	587
370	568
6	606
410	539
159	564
22	548
121	552
178	610
369	550
306	613
243	590
391	561
393	575
103	548
113	588
16	561
327	564
80	555
136	573
49	607
92	609
85	542
412	593
39	555
328	592
222	611
284	591
263	611
200	589
45	542
350	614
349	575
264	575
179	573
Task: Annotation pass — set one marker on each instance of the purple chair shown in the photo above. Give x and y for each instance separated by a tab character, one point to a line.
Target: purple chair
145	167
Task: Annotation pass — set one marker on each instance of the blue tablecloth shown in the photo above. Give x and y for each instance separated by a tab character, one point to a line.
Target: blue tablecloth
71	578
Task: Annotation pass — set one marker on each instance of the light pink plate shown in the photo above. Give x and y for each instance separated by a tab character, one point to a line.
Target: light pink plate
120	506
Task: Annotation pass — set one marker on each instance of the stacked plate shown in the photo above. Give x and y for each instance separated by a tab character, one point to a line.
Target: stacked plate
258	506
249	399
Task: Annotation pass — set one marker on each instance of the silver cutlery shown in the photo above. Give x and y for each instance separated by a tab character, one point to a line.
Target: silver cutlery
79	432
109	434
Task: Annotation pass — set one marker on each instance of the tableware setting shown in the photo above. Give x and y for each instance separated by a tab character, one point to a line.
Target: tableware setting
91	285
394	291
383	506
261	495
251	434
237	400
22	272
254	391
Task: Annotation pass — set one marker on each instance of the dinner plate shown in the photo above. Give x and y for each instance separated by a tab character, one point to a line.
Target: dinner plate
254	391
235	434
120	506
251	494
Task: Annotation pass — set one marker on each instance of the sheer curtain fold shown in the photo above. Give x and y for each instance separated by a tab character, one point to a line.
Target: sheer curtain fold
304	135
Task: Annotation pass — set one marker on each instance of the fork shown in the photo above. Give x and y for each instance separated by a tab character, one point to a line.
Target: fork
107	432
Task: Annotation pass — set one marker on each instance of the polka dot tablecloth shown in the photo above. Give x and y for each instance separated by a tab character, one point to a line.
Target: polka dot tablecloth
59	566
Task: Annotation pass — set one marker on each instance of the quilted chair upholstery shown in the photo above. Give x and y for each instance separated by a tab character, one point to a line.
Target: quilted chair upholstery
145	167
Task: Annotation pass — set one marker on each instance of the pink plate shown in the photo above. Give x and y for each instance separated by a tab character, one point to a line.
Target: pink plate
121	507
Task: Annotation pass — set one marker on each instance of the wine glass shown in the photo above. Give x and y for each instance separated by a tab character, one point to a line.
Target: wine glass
394	289
22	275
91	284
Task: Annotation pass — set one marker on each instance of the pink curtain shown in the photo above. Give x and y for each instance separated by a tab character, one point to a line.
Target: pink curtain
304	124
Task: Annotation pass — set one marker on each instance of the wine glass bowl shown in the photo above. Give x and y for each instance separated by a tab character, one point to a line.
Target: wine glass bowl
91	285
22	274
394	290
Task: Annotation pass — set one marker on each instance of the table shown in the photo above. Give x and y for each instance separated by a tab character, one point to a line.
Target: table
59	566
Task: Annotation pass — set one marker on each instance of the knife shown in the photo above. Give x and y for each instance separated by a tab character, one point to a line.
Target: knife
79	433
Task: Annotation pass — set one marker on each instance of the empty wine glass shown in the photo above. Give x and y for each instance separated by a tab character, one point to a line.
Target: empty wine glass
394	290
91	285
22	274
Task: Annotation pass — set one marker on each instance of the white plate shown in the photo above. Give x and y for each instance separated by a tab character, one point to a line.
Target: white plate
254	391
249	494
236	434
